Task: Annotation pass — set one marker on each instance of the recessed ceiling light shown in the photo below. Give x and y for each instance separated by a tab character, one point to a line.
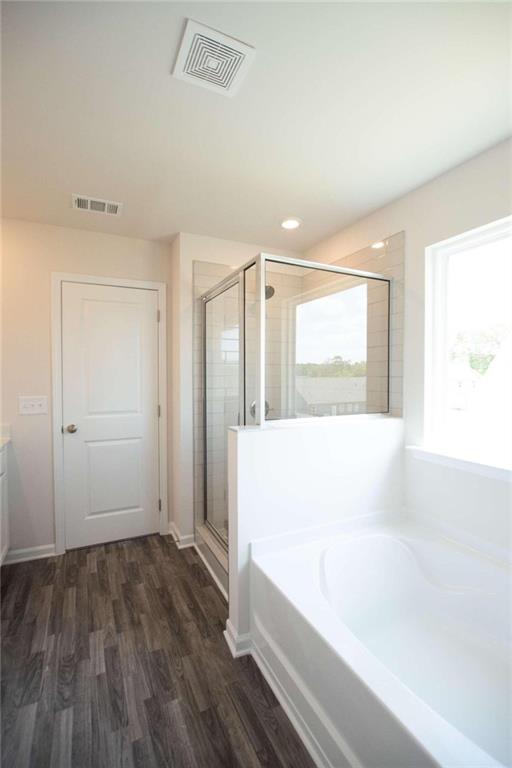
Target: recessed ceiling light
291	223
379	244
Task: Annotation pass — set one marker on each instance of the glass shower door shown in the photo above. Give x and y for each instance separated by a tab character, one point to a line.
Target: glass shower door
222	400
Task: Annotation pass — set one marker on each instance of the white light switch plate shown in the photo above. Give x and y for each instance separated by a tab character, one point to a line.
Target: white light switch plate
29	405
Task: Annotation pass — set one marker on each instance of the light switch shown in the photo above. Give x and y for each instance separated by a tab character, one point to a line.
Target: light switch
29	405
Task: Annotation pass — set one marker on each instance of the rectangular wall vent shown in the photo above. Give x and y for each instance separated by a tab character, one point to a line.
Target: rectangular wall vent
211	59
83	203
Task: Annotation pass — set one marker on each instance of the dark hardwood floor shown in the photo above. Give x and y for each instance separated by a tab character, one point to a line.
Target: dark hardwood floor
114	656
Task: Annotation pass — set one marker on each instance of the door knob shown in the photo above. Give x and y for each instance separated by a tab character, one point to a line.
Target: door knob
71	428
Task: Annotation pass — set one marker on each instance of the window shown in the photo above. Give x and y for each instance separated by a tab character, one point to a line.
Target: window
469	346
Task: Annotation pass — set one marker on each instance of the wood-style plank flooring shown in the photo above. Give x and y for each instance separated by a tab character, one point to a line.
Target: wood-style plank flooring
113	656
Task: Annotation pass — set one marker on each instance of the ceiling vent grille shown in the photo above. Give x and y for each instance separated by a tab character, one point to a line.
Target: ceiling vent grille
211	59
94	204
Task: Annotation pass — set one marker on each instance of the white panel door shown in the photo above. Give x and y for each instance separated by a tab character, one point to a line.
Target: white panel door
110	395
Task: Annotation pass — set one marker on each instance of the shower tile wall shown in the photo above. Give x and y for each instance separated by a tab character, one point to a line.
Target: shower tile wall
223	395
291	393
389	261
287	284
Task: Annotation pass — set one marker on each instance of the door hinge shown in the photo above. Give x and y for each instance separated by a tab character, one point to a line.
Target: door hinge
159	411
158	315
159	505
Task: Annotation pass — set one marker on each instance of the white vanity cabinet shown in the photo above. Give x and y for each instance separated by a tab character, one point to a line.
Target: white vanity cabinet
4	512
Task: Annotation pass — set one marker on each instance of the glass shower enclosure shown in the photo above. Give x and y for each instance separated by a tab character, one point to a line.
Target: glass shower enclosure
285	339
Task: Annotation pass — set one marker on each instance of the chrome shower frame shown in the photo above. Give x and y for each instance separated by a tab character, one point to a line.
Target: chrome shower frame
238	277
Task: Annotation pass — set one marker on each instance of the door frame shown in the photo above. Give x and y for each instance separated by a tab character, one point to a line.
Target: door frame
214	293
58	278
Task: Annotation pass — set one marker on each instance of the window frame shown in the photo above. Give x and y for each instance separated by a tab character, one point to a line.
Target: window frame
436	305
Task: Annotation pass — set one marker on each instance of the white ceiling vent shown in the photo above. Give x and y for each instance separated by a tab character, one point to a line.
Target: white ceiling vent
211	59
94	204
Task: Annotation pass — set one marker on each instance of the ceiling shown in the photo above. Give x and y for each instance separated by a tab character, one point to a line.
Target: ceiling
346	107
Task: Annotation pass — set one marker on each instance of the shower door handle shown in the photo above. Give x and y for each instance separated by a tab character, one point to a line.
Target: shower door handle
252	409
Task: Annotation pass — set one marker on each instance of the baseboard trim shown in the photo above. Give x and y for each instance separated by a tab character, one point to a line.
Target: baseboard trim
212	573
325	743
181	541
239	645
173	531
300	726
3	554
30	553
242	645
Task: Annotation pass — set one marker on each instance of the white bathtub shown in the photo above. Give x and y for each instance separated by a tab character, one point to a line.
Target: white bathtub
390	648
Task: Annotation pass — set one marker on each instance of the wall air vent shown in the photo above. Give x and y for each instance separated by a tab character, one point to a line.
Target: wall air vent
211	59
94	204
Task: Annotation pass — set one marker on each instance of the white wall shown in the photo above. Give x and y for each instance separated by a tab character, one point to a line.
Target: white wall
31	252
294	475
468	196
469	502
475	193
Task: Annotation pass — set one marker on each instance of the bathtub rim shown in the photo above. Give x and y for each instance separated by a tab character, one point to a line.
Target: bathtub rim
407	708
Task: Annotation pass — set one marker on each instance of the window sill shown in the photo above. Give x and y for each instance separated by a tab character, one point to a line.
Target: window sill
464	465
